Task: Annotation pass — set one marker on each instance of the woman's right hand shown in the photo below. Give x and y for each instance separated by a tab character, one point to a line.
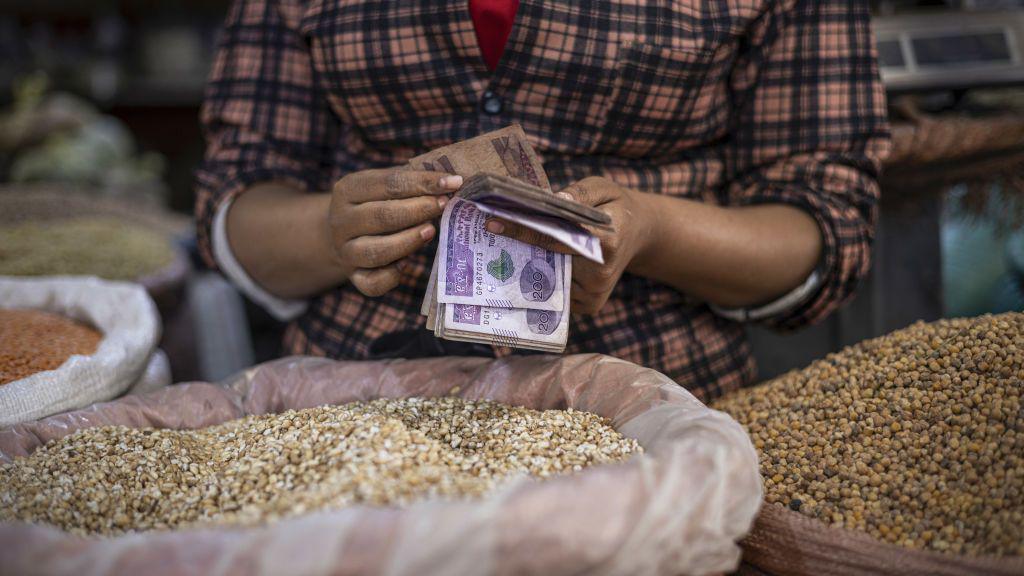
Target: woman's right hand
378	217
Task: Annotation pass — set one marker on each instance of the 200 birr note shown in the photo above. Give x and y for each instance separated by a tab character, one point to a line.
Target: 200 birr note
478	267
516	327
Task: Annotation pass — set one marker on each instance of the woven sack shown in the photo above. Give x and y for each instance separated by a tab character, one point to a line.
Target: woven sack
677	509
125	357
786	543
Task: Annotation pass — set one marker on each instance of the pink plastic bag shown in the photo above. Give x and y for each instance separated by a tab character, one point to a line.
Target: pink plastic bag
678	509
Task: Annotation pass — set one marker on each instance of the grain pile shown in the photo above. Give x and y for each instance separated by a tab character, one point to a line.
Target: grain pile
33	341
110	480
916	438
97	246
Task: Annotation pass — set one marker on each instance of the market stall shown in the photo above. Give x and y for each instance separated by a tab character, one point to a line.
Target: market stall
698	288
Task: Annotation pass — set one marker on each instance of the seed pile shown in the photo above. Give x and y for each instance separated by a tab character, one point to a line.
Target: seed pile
106	247
32	341
110	480
916	438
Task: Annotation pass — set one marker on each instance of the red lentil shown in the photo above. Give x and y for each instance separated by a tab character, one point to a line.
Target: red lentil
33	341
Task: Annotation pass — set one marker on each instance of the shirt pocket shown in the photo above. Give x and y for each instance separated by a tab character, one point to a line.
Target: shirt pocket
663	101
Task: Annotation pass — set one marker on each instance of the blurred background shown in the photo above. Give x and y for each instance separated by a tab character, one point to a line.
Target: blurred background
99	106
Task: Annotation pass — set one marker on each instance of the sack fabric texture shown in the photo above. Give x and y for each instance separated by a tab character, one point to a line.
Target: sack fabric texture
677	509
786	543
125	357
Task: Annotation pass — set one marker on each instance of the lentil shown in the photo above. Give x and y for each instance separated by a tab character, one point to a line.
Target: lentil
916	438
110	480
107	247
33	341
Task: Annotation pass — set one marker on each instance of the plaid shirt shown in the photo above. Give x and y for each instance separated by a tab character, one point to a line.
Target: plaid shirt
735	102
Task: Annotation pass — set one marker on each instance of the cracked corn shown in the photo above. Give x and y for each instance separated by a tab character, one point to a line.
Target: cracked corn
110	480
916	438
33	341
107	247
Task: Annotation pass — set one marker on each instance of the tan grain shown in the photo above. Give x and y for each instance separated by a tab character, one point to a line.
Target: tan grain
107	247
109	480
916	438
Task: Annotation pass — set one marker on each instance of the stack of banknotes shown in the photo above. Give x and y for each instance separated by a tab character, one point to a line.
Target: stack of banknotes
488	288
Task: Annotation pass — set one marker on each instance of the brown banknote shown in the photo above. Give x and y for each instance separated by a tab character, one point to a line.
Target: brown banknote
504	152
514	195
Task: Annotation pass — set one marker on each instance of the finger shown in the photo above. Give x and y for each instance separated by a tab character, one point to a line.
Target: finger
395	184
577	300
590	191
377	251
581	304
591	287
594	306
386	216
406	265
376	281
580	286
524	234
588	303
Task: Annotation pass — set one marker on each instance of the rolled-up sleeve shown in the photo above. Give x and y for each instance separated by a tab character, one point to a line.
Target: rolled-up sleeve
811	132
265	117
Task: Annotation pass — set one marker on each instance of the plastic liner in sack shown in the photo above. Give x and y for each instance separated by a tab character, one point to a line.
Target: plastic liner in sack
124	359
678	509
786	543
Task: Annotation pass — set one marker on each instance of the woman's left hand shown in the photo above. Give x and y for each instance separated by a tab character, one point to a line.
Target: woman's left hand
630	235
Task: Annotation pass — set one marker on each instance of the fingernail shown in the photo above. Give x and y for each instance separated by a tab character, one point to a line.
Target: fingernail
400	265
441	201
564	195
451	182
427	232
495	227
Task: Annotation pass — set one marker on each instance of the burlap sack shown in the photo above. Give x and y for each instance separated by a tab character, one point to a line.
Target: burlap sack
126	316
785	543
678	509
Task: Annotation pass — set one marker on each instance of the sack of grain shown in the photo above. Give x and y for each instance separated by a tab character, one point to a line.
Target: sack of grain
62	231
900	455
128	321
678	508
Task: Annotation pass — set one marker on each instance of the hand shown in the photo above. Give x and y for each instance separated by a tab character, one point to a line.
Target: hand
628	237
378	217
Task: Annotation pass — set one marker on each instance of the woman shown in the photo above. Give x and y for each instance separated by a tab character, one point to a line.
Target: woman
735	144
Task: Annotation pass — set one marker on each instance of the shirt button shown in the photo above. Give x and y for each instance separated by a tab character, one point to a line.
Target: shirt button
491	103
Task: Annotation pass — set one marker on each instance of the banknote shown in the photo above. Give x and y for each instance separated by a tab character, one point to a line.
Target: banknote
572	235
537	209
515	327
544	330
504	152
487	288
523	198
428	296
475	266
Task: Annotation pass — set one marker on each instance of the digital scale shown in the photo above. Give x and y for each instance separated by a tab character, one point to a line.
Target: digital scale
950	49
